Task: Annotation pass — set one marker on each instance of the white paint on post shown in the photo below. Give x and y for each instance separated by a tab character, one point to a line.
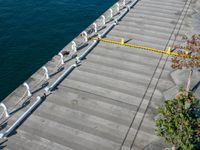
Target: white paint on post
96	42
5	110
116	22
103	19
74	47
124	2
28	89
111	13
78	61
46	72
85	35
47	89
21	118
61	58
117	7
66	72
95	27
128	7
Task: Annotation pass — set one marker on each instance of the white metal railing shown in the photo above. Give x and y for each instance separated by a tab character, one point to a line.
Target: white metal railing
21	118
108	20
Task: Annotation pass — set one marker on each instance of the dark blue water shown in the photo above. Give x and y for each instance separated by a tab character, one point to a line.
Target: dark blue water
32	31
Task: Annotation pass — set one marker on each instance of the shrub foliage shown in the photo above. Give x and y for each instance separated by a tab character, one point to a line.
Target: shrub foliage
178	122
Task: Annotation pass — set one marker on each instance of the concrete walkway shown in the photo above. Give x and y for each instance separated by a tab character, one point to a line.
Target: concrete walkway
108	103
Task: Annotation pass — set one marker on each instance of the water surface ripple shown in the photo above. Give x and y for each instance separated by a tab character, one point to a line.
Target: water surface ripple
33	31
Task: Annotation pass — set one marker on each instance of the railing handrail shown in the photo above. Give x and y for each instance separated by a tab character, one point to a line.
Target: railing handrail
78	59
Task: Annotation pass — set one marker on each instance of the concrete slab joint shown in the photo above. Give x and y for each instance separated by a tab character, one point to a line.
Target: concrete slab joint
108	102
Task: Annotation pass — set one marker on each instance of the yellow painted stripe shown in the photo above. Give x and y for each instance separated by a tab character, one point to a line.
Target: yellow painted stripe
145	48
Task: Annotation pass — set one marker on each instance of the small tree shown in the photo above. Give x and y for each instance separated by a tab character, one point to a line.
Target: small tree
189	56
178	123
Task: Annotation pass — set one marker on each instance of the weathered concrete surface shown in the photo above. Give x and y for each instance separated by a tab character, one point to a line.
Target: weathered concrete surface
108	103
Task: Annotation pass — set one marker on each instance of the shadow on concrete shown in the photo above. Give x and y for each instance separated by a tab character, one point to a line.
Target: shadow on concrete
56	87
58	71
196	87
14	131
157	145
26	103
73	56
42	86
82	46
101	28
128	40
3	125
2	146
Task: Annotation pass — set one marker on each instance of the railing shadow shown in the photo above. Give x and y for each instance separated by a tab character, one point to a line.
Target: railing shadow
26	103
42	86
128	40
15	131
3	125
58	71
82	46
2	146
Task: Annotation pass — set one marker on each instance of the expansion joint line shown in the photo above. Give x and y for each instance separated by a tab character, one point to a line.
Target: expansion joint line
133	119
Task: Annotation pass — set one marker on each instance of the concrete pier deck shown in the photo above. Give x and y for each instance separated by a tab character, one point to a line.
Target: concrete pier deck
109	101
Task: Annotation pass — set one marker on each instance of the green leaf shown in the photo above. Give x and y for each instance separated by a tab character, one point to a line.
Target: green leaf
177	123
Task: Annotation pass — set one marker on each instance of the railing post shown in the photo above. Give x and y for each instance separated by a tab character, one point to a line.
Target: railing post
5	110
103	19
128	7
28	89
21	118
117	7
169	50
46	72
78	61
111	13
61	58
116	22
122	41
124	2
95	27
74	47
85	35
